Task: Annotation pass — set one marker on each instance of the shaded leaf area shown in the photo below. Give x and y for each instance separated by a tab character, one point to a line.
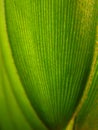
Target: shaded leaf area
52	43
87	118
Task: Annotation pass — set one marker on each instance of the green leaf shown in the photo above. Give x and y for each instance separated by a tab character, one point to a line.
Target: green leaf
87	118
10	113
52	43
13	85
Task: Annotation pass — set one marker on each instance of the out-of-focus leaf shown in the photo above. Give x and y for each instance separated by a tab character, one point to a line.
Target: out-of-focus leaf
52	43
11	117
87	118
